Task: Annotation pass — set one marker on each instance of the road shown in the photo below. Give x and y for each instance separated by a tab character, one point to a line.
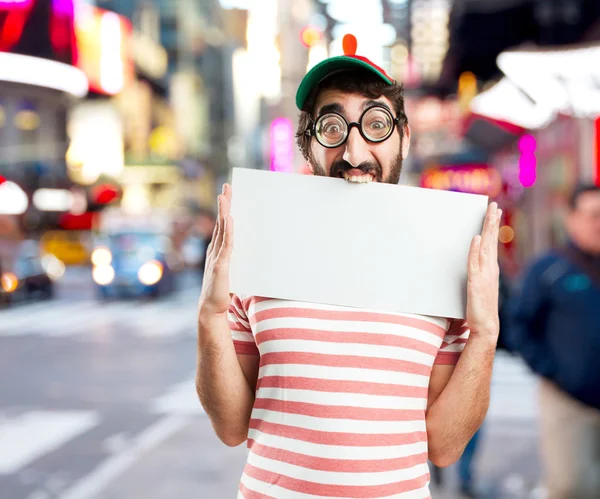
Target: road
97	401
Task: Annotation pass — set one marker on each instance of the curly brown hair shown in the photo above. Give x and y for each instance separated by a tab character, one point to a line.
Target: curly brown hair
356	82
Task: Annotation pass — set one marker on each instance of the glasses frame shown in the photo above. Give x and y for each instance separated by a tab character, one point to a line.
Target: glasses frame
312	130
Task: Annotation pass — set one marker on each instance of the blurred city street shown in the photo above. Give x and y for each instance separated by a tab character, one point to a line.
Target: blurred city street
123	125
98	401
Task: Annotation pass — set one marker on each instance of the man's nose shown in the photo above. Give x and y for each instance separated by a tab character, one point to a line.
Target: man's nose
357	148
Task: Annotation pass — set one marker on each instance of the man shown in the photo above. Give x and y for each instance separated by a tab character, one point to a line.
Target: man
336	401
555	326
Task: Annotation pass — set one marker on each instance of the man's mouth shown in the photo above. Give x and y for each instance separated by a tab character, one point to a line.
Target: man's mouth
357	176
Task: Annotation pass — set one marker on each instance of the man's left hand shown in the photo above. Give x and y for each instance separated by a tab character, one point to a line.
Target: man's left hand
483	276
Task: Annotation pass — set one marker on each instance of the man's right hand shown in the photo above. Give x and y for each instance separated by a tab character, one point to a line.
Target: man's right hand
215	297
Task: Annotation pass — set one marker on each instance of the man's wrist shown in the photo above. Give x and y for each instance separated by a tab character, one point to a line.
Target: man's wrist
485	337
207	317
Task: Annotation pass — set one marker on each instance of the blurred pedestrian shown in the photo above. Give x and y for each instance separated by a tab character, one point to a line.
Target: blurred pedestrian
555	326
346	402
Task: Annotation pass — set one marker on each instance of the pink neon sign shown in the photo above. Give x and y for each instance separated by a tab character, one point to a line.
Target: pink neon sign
282	145
16	4
527	161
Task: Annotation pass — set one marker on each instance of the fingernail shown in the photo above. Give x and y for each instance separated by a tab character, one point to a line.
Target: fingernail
223	190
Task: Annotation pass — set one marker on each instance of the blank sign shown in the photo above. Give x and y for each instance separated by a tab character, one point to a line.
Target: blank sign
372	246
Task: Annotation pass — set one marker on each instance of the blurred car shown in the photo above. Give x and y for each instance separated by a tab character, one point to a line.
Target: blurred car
133	263
26	275
194	251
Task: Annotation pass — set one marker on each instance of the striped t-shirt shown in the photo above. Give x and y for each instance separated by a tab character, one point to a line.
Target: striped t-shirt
340	398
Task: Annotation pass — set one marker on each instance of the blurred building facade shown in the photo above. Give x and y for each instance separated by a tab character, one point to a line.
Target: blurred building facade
39	83
148	104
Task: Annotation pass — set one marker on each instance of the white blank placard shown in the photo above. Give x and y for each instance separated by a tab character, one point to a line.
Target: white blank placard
373	246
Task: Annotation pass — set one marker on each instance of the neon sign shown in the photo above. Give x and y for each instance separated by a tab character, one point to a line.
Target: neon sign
46	27
282	145
473	179
597	151
16	15
527	161
103	41
16	4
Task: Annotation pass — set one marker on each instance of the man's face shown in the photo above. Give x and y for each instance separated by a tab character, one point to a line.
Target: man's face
357	159
583	223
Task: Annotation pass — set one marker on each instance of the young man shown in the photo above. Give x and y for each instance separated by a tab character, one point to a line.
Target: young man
336	401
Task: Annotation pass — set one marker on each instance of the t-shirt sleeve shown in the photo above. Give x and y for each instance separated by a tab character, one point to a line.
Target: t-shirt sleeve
241	332
454	342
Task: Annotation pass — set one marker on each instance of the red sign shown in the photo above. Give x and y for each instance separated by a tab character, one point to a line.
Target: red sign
30	27
597	144
105	194
85	221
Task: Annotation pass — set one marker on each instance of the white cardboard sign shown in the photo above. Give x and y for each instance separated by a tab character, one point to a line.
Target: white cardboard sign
372	246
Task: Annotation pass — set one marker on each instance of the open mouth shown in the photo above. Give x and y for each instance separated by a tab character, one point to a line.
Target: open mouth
357	176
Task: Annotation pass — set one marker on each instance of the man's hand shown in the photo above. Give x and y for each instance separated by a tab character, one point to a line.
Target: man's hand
215	297
225	381
483	276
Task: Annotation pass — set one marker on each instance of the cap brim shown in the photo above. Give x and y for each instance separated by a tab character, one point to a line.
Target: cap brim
328	67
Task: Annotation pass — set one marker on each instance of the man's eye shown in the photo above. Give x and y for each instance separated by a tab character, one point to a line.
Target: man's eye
332	128
377	125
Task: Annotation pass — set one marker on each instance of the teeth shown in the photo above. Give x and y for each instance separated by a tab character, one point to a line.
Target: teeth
358	179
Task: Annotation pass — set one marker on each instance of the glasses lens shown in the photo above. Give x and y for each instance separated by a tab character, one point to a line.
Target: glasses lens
331	129
377	124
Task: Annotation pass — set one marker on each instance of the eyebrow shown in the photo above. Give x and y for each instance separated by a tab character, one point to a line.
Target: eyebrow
338	108
369	103
331	108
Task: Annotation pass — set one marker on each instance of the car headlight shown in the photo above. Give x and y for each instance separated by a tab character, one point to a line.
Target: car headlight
101	257
150	273
103	274
54	267
9	282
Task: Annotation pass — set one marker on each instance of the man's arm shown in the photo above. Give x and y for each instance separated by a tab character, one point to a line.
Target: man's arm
224	382
459	397
458	401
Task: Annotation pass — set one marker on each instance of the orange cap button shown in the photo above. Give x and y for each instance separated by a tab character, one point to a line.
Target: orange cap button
349	44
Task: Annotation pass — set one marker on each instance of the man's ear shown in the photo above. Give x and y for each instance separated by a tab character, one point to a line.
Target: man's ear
405	141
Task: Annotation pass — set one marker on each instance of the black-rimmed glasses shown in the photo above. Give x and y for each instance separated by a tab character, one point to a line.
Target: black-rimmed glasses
376	124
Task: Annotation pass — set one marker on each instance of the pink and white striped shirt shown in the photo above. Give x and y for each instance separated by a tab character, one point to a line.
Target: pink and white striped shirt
340	398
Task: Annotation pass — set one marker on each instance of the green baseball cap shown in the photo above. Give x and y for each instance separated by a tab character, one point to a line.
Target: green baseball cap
345	62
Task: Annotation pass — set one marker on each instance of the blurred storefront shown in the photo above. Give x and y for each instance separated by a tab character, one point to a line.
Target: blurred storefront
39	84
549	99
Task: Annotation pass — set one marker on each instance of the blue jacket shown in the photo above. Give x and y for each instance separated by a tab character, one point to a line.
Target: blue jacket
554	323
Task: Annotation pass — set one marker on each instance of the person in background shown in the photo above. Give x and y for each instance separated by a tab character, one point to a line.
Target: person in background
555	326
